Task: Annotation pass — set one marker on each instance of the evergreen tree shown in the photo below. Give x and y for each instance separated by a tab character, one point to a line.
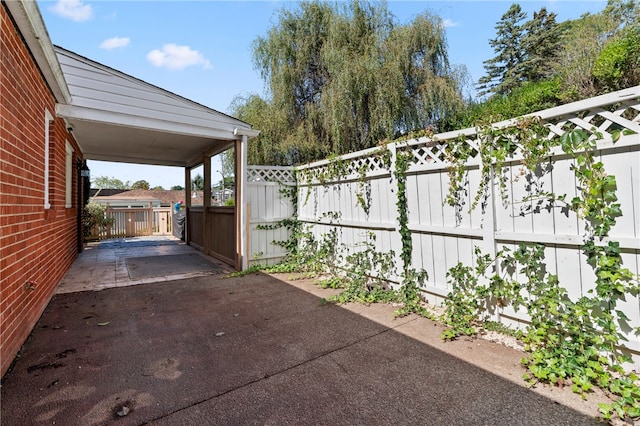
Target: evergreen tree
504	71
541	45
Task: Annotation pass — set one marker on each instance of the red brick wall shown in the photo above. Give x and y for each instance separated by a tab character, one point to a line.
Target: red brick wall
37	245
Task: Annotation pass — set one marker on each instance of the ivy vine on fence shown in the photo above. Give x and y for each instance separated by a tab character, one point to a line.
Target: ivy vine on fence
569	342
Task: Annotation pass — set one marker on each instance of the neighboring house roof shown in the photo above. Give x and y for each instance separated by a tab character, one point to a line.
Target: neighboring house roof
117	117
122	197
166	197
105	192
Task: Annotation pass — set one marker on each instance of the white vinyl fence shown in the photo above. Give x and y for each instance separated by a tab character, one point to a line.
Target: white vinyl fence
268	206
354	199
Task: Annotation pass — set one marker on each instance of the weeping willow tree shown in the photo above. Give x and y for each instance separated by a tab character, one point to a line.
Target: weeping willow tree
343	77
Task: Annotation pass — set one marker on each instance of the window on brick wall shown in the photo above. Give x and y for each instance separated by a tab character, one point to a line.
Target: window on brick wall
68	174
48	119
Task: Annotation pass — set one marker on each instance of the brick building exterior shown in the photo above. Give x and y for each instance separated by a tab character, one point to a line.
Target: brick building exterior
50	124
39	187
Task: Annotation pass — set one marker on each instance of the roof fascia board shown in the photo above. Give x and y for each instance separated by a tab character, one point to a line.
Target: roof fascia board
133	160
146	123
27	16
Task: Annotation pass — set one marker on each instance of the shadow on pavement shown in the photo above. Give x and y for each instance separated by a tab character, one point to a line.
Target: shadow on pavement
250	350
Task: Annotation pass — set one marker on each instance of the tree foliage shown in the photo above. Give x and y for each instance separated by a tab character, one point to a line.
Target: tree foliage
140	184
343	77
228	167
618	63
584	39
106	182
505	70
541	45
559	62
346	76
526	98
197	183
598	39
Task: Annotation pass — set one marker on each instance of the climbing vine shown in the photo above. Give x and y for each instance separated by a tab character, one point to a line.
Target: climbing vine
412	280
361	271
570	342
494	147
363	195
403	161
293	225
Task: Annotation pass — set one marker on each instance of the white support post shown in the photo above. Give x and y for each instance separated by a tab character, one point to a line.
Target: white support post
187	204
244	203
206	205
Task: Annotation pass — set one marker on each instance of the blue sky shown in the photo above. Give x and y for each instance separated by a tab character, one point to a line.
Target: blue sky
202	49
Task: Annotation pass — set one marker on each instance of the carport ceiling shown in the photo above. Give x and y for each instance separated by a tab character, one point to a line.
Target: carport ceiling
116	117
107	141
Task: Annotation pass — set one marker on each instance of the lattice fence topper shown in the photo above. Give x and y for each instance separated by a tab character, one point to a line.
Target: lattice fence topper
284	175
350	166
617	111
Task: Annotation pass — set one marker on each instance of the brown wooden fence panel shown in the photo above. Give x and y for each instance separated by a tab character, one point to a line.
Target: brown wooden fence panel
195	224
221	233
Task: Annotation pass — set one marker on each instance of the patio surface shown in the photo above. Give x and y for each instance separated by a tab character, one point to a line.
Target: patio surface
104	264
259	349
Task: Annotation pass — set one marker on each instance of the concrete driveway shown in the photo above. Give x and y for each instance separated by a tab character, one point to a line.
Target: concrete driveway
260	350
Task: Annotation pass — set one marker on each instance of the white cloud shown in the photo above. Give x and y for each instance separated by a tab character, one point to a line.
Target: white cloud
115	42
176	57
448	23
73	9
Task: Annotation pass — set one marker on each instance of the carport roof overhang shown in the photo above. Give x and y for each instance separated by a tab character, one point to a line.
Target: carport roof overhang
116	117
107	136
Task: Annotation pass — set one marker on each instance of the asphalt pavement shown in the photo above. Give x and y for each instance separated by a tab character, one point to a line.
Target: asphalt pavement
252	350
